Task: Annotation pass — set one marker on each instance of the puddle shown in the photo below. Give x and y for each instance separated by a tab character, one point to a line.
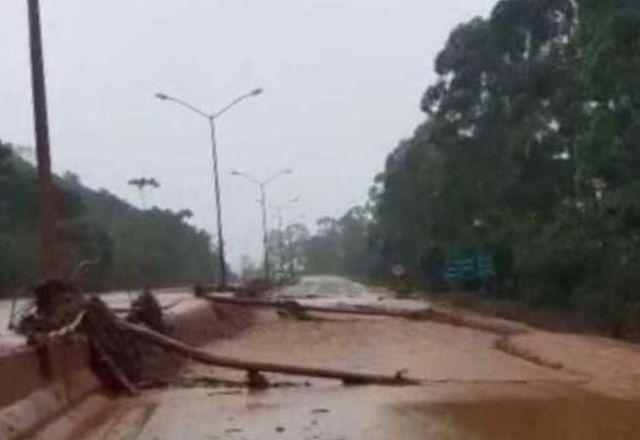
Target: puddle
440	412
578	417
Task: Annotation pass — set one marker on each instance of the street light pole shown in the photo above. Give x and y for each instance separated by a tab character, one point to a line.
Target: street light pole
211	118
48	215
262	186
216	182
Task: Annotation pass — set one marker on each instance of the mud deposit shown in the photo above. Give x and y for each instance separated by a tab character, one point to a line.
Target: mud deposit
471	389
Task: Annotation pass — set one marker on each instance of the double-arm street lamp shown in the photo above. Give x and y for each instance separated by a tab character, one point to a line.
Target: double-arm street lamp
212	117
262	185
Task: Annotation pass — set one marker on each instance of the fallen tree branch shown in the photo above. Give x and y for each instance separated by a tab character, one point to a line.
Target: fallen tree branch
68	328
116	372
238	364
294	305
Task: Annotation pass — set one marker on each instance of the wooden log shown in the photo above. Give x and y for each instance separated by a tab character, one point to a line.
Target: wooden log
239	364
290	304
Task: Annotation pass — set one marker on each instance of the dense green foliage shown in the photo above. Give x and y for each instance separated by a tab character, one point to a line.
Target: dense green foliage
132	246
285	249
529	149
340	246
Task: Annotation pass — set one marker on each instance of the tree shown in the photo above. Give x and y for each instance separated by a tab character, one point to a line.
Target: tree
96	225
528	151
286	249
142	183
342	246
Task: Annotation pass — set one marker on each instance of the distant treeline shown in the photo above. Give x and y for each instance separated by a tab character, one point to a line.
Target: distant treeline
530	150
130	246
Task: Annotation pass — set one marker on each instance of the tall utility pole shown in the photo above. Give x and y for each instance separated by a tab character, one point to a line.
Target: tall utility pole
48	214
211	117
262	186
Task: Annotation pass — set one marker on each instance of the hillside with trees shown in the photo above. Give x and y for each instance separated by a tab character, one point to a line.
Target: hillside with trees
529	150
125	246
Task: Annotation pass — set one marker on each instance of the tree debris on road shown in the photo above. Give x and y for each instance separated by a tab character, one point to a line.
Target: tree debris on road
294	308
121	349
347	377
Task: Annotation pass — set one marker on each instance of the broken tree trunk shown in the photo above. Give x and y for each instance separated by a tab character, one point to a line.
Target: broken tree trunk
238	364
294	305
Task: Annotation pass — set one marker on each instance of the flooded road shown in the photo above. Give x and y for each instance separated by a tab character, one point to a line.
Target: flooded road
471	389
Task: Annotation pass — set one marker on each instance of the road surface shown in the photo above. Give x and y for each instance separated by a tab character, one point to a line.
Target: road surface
536	385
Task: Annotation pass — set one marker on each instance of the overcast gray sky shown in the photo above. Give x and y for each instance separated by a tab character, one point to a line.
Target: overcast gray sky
342	80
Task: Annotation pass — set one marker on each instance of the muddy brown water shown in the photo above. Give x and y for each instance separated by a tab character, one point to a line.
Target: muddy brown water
437	412
471	391
566	415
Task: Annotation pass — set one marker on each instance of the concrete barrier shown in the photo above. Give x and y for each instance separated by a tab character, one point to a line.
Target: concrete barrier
40	384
